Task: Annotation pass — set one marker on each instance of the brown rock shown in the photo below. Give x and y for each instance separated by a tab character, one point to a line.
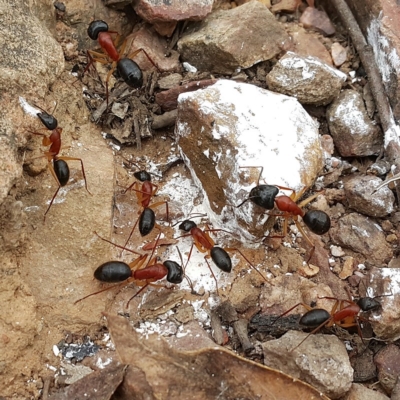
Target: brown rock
154	46
387	362
285	6
339	54
168	99
353	132
321	360
306	43
164	15
213	44
360	392
358	190
316	19
361	235
305	78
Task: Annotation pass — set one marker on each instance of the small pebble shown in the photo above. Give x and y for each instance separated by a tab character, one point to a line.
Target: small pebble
337	251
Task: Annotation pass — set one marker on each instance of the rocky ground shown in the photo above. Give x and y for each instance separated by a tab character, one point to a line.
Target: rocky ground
328	142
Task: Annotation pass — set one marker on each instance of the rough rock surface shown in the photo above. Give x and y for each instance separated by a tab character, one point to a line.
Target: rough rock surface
387	362
305	78
318	20
216	141
214	44
154	46
360	392
307	43
311	359
164	15
22	48
386	320
358	191
362	235
352	130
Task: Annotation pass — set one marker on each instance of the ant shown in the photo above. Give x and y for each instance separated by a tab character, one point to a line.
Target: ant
57	164
266	196
204	243
137	271
144	193
129	71
345	313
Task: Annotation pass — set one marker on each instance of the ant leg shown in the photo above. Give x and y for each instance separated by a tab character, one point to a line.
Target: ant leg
308	308
212	272
83	169
116	245
134	53
309	199
251	265
308	240
312	332
136	294
100	291
160	203
51	203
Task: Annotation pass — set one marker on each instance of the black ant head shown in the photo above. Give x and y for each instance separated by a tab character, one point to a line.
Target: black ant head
369	304
95	28
142	176
48	120
264	196
187	225
175	271
317	221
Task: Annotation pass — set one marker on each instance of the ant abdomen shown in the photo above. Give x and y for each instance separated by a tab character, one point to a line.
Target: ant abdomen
317	221
113	272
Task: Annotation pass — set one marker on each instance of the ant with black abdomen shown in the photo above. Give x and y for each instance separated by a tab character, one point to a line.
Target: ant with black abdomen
129	71
266	196
57	164
138	271
205	244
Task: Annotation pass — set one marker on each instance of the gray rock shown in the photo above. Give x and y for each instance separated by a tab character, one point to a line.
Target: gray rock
352	130
385	322
307	78
358	191
321	361
362	235
387	362
232	39
360	392
219	134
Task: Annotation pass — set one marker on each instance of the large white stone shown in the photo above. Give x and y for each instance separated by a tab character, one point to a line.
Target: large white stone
232	125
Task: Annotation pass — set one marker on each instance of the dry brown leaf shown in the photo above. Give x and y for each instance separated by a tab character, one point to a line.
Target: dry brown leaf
99	385
209	373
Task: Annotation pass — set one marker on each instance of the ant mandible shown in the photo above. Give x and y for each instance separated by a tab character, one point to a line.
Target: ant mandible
266	196
137	271
205	244
129	71
56	164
